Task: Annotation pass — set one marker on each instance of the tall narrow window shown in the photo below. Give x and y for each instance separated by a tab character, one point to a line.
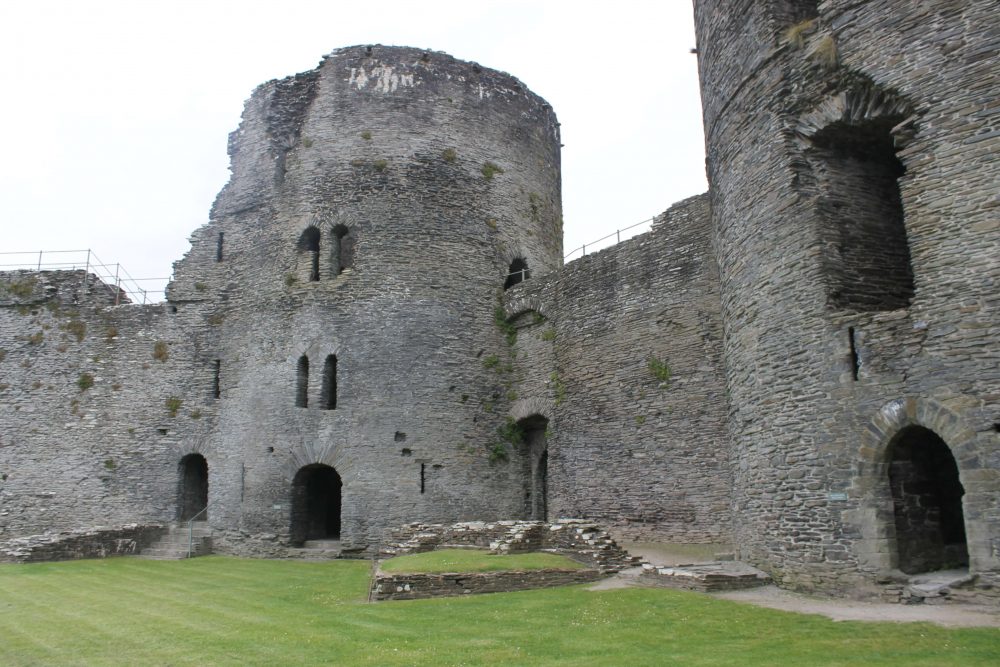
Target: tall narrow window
309	243
517	273
218	248
328	397
342	252
302	383
216	372
855	360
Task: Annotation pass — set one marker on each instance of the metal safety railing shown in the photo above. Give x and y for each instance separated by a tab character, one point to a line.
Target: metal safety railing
112	276
616	235
191	530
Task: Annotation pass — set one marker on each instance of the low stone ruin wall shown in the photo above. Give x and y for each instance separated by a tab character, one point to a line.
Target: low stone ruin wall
415	586
578	539
73	545
705	577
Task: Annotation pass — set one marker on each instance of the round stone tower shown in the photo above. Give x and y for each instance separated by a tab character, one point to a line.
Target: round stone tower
349	280
845	194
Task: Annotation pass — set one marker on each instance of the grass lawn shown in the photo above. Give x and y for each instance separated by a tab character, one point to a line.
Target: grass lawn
476	560
227	611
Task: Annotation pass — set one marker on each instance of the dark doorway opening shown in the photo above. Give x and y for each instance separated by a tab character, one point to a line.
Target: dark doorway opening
927	503
534	449
193	493
316	504
517	273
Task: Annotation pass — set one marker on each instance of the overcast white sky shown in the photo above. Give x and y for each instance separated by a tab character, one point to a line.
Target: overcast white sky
116	114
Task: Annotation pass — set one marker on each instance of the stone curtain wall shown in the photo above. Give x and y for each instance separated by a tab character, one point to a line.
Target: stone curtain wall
94	543
579	539
420	586
637	402
90	433
809	499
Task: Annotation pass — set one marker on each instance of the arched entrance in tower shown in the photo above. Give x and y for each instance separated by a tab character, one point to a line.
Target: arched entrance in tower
193	491
927	503
316	504
536	466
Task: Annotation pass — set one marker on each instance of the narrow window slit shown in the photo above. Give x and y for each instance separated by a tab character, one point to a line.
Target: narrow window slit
302	383
423	477
218	247
328	397
216	373
855	360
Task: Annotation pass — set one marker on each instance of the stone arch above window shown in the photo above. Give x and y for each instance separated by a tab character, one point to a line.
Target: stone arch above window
850	142
309	247
517	272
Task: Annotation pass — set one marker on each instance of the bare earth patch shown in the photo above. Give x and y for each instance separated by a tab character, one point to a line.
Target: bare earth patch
952	615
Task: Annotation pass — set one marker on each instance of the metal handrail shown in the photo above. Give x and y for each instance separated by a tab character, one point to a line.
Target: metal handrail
617	235
191	529
114	277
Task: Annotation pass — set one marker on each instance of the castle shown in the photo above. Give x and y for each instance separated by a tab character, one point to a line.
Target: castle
376	326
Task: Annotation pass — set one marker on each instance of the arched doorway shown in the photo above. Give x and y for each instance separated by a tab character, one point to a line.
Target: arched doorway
536	466
193	492
927	502
316	502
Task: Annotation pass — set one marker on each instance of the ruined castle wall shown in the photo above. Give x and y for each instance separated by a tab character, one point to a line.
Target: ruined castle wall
88	435
635	399
438	173
820	380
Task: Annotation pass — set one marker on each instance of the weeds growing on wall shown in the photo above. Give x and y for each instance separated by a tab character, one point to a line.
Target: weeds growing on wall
173	405
508	328
78	328
160	351
85	381
558	387
490	170
659	368
22	289
449	155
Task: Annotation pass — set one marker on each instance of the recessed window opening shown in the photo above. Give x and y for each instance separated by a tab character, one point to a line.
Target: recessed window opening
516	273
302	383
801	10
868	256
309	243
342	252
328	396
193	492
216	375
855	361
316	504
218	248
927	503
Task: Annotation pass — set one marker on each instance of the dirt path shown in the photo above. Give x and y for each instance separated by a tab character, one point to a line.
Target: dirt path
950	615
839	609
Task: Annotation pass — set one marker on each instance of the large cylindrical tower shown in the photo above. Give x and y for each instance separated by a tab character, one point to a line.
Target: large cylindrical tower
350	277
850	173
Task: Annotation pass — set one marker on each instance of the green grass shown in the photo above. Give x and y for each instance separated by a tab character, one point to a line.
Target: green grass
476	560
225	611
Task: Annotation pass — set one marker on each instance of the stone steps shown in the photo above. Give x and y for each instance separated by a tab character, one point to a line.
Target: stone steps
705	577
316	550
176	543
